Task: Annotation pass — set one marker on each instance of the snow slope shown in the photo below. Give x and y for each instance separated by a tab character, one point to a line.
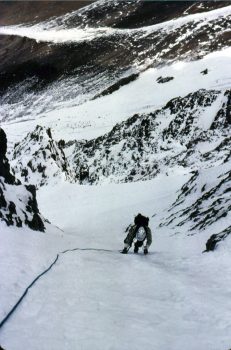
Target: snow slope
112	301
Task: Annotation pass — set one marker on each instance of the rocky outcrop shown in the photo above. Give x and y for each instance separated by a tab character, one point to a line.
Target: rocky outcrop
162	80
202	201
18	204
38	159
137	149
215	239
4	164
147	144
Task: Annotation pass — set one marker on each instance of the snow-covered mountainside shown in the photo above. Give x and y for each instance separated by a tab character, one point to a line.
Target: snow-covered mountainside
201	203
138	148
66	66
18	203
38	159
147	144
112	108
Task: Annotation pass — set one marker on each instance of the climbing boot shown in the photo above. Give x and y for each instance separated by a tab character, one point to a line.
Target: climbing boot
124	251
136	249
145	250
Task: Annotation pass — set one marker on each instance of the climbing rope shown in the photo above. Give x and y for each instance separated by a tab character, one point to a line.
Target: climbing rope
5	319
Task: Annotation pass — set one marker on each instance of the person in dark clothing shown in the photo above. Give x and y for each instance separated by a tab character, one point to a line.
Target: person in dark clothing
140	233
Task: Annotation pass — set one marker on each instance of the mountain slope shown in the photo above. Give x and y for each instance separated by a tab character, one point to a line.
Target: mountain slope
18	204
118	108
142	146
147	144
92	296
96	59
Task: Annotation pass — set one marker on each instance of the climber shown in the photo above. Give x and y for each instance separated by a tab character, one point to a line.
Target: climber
140	233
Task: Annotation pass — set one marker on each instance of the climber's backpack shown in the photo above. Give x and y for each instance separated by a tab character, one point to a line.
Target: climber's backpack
141	220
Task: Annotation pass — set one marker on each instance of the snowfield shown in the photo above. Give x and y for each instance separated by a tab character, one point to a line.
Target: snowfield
98	298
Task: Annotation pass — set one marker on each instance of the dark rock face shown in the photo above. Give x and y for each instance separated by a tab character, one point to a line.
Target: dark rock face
4	164
16	12
18	204
36	223
215	239
3	144
116	86
162	80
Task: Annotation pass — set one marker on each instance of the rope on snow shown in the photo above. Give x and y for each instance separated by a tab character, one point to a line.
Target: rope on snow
5	319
